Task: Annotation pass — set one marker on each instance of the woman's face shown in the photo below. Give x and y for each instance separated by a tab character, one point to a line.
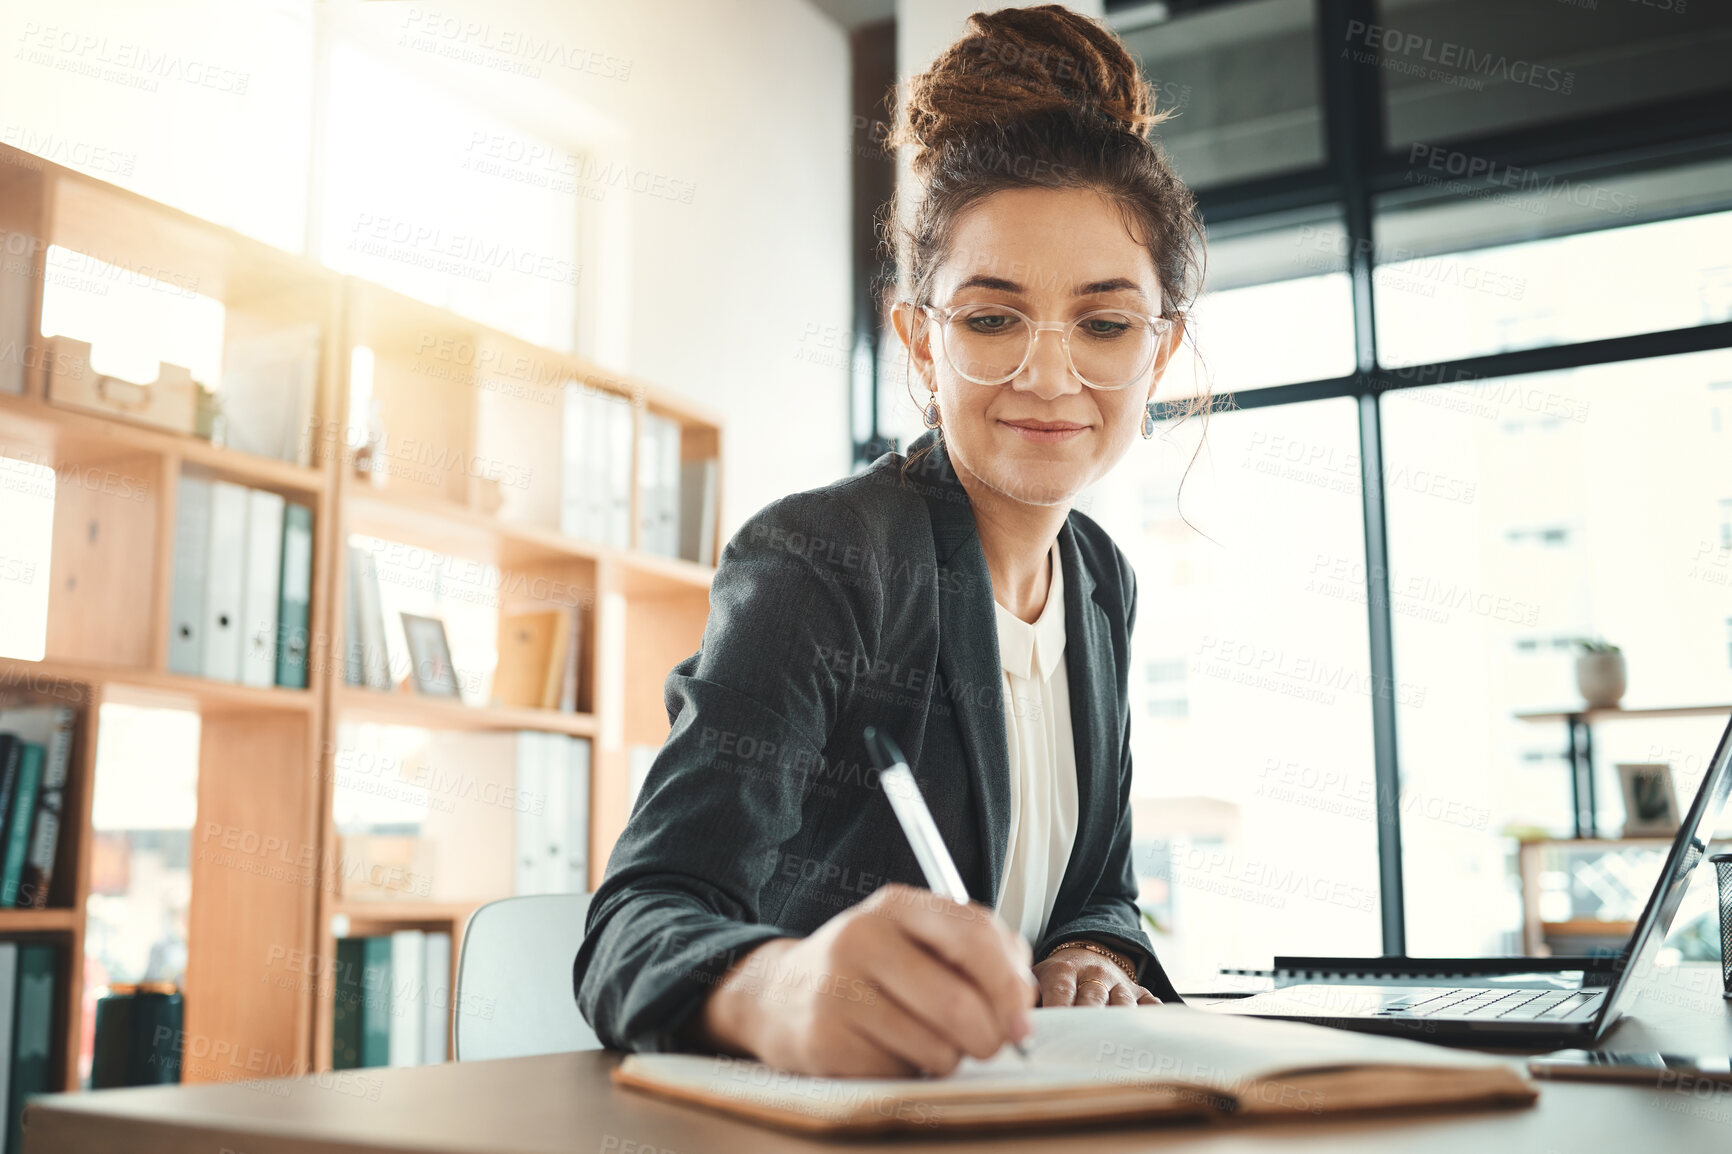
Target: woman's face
1054	254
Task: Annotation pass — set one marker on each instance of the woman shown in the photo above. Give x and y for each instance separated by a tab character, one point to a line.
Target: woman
762	900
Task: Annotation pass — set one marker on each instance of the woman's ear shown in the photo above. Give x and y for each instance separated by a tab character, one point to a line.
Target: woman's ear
1169	345
911	325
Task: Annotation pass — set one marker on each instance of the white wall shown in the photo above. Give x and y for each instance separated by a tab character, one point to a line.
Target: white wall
726	298
730	296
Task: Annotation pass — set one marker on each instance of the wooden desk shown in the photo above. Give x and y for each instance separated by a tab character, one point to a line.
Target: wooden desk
566	1103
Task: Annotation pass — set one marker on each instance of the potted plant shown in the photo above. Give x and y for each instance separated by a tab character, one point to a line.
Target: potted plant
1599	673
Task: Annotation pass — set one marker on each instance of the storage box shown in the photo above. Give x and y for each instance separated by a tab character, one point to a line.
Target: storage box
170	402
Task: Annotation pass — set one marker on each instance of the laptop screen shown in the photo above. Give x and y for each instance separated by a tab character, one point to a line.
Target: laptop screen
1637	967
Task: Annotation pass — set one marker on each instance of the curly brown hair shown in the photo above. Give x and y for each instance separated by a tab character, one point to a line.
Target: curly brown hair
1039	97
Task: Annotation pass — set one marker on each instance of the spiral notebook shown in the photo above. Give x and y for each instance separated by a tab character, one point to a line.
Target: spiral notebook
1092	1065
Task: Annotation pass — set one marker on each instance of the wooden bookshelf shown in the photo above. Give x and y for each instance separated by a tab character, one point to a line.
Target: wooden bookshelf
259	931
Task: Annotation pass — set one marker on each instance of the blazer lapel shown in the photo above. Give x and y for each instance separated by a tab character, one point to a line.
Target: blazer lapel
1088	656
971	676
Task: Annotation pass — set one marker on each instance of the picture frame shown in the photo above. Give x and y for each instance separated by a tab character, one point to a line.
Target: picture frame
1650	802
430	668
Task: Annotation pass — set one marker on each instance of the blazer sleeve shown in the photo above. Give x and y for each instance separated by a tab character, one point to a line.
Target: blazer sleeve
751	713
1111	915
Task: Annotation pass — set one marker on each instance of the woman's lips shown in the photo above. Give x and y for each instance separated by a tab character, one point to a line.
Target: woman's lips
1045	432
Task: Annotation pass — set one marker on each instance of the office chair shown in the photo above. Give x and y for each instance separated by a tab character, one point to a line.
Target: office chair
514	979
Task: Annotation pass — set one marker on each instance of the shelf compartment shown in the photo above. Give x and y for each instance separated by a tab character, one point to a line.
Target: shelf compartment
150	687
396	708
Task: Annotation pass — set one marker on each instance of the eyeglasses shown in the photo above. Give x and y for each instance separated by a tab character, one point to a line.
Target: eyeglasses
990	344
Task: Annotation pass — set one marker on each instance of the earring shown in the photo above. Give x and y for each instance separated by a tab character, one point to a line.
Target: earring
930	415
1149	421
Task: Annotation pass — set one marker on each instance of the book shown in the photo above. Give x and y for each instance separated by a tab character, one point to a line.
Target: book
573	462
376	1001
1090	1065
296	583
269	381
191	552
49	726
16	287
533	813
598	465
698	510
346	1009
370	619
261	595
436	1024
18	828
408	996
11	756
225	581
32	1041
576	879
619	471
8	1012
571	678
532	648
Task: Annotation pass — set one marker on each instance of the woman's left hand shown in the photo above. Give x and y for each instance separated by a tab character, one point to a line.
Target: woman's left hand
1079	977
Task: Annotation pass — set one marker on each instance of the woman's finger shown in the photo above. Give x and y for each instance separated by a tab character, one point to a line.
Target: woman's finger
902	1036
1057	984
940	998
968	939
1093	986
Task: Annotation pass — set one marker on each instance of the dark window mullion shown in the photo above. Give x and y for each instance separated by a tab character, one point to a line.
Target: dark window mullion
1353	120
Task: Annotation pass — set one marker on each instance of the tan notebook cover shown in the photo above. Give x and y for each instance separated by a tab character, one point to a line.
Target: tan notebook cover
1088	1065
531	658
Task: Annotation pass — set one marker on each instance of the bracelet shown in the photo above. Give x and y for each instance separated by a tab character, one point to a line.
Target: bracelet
1116	958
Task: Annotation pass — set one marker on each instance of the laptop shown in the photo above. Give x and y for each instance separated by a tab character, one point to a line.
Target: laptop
1526	1007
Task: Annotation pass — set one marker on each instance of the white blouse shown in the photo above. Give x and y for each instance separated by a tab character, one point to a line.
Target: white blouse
1043	796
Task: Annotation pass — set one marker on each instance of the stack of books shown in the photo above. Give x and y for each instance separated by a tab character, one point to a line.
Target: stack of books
243	572
676	497
35	755
28	975
393	1000
596	485
552	814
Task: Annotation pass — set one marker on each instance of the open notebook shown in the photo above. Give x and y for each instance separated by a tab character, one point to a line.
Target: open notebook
1157	1063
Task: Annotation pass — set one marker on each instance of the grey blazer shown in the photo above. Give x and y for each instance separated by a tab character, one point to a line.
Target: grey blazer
864	602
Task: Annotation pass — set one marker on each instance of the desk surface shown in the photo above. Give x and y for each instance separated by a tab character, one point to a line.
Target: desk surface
565	1102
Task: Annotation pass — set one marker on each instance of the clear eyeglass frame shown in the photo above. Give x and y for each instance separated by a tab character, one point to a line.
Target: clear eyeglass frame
942	314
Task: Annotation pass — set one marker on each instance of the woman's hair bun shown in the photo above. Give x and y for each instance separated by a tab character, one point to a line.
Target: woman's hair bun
1017	64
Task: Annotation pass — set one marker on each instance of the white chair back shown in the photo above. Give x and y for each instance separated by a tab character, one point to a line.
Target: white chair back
514	995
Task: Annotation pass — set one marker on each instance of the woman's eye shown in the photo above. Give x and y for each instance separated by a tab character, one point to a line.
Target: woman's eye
990	322
1104	326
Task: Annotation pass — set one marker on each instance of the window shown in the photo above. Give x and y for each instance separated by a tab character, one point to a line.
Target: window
1550	263
1455	68
1242	79
1277	308
1254	800
1489	606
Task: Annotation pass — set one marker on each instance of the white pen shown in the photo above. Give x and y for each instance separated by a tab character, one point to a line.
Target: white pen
936	865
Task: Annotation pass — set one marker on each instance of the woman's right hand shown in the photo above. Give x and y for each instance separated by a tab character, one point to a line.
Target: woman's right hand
903	983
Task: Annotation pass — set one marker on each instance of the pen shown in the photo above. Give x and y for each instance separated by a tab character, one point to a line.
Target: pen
917	824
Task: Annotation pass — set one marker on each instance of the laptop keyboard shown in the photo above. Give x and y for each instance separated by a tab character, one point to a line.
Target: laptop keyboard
1507	1005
